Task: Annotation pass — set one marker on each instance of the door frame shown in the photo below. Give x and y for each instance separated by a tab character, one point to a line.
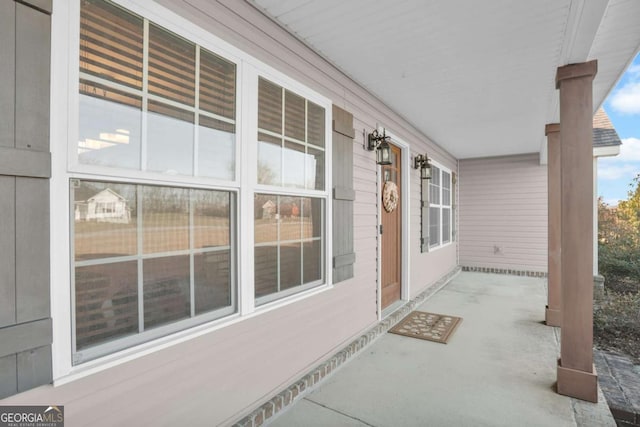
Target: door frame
405	157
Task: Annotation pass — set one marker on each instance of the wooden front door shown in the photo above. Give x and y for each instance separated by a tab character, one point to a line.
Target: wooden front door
391	231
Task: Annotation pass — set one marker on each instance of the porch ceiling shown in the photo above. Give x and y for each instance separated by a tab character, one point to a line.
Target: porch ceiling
478	78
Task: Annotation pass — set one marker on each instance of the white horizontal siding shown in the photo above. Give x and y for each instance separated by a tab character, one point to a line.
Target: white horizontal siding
503	213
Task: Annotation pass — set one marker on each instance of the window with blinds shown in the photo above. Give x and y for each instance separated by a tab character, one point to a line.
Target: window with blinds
289	234
291	139
149	260
186	94
440	207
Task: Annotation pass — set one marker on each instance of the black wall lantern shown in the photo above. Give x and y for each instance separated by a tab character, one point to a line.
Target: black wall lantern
422	162
379	142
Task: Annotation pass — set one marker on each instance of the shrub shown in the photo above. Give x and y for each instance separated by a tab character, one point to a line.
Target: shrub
616	323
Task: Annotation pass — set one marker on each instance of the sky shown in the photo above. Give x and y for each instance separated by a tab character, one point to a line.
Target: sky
615	174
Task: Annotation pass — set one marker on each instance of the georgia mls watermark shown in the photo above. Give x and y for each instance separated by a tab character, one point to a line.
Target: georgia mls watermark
32	416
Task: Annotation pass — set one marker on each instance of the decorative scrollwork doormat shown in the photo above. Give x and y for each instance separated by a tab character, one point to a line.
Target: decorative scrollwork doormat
427	326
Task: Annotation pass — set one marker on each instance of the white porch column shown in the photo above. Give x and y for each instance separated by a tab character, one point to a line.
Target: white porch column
552	312
576	373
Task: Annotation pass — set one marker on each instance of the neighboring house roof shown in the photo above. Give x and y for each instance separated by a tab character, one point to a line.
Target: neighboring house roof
604	134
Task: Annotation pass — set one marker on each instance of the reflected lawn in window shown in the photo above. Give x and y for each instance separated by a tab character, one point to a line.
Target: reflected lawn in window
186	245
105	220
288	243
165	218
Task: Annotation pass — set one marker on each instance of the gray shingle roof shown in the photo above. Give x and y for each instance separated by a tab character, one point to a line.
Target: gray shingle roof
604	134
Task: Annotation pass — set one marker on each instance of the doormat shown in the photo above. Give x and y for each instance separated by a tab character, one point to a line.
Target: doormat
427	326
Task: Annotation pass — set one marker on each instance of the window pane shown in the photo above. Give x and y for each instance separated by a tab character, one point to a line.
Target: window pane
269	160
315	169
105	220
311	217
217	85
170	140
110	125
290	223
212	277
446	188
446	225
111	43
266	270
165	219
288	238
294	163
294	116
269	106
266	218
106	299
211	218
434	226
434	186
315	124
172	64
312	257
216	149
166	290
290	265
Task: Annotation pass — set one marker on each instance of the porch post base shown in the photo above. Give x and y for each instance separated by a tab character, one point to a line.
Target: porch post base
552	317
579	384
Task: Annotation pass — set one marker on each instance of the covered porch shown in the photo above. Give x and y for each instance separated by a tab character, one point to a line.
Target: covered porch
496	370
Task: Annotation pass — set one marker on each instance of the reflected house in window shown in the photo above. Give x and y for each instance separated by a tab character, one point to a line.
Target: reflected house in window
104	206
268	209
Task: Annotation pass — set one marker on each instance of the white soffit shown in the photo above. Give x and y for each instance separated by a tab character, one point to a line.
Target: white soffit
478	78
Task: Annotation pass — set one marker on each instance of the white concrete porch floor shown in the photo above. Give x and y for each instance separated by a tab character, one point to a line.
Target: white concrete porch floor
498	369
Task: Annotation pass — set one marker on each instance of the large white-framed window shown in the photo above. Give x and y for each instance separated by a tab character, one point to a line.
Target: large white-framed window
290	195
440	198
163	190
154	188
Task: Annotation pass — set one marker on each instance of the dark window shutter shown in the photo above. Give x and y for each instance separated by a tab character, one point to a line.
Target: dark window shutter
343	195
424	214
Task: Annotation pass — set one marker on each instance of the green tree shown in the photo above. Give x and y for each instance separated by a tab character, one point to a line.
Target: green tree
619	237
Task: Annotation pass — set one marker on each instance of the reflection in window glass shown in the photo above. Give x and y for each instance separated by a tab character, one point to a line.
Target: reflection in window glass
165	219
315	169
183	268
294	160
112	41
269	160
312	265
170	140
216	149
434	226
212	277
106	300
166	290
105	218
288	243
211	217
109	132
301	136
446	224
